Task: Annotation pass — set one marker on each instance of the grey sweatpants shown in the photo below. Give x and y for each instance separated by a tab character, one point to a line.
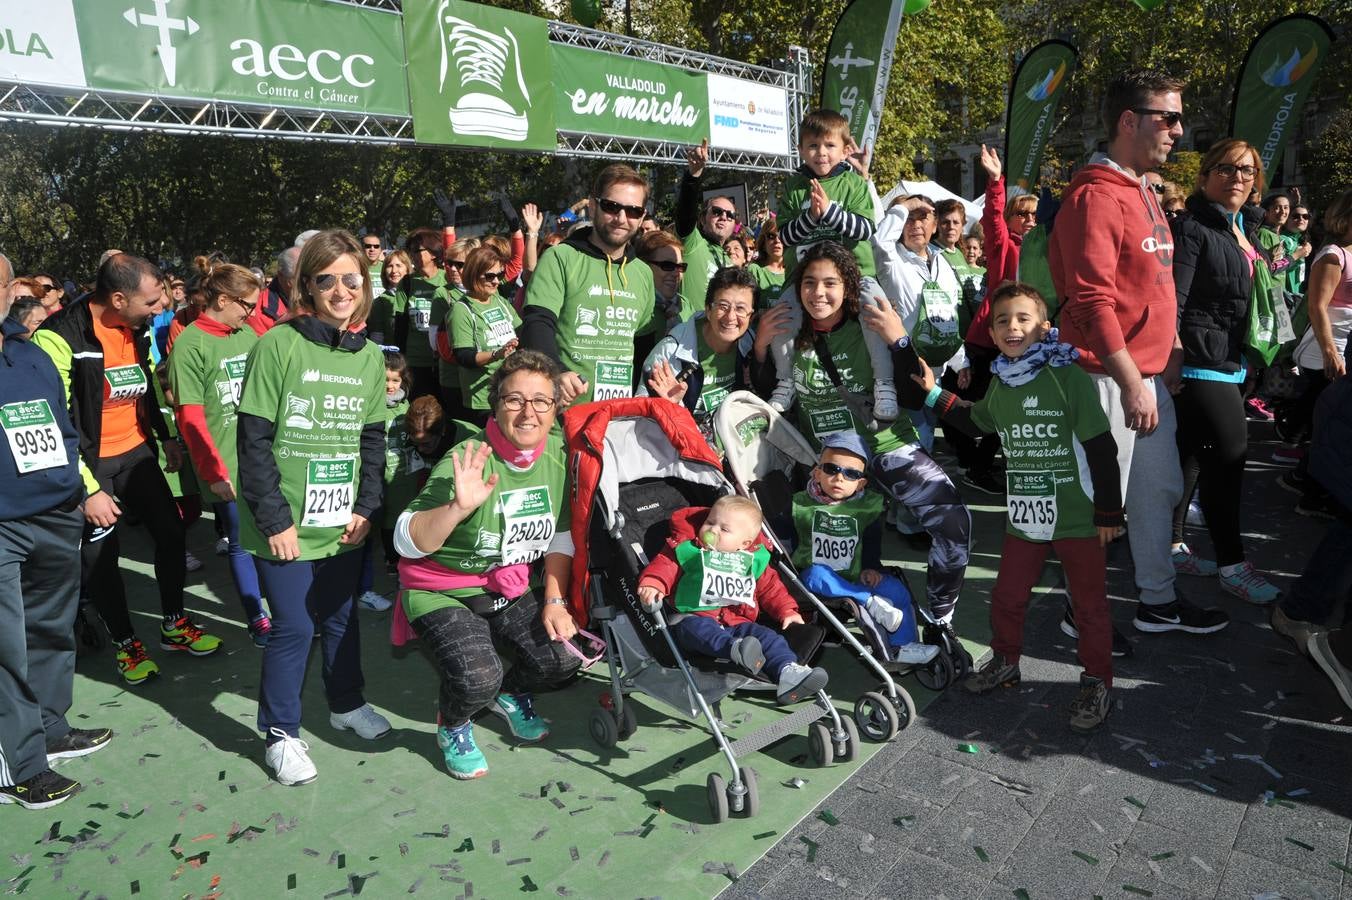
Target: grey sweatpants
1152	483
39	594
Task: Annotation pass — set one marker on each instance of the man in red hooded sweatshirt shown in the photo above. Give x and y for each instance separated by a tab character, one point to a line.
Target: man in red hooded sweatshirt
1111	257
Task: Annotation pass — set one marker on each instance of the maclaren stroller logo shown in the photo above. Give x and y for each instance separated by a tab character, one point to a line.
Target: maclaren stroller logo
166	25
484	71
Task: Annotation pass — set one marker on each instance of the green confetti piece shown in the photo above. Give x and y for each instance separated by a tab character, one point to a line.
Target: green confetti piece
1134	802
981	854
1022	894
1133	889
466	846
811	847
291	882
1340	867
969	748
528	886
136	887
763	835
1078	854
828	817
1160	857
1300	844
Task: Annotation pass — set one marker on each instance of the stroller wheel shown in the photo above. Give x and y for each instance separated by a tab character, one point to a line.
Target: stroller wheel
718	797
751	802
937	674
877	716
962	660
819	745
628	721
603	727
848	749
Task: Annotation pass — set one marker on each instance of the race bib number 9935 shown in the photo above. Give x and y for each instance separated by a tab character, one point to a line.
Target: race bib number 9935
30	428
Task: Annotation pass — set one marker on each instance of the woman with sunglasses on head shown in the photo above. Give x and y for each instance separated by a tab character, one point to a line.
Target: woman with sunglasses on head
482	330
1216	270
487	555
311	466
206	375
424	286
448	379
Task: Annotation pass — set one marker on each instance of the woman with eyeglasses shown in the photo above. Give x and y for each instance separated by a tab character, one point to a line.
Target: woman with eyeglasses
664	252
206	375
487	556
703	360
1215	268
482	330
311	468
768	269
424	287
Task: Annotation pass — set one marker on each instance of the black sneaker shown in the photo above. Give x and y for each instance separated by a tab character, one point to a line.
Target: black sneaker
987	482
1179	616
43	791
1121	646
1291	481
1316	508
78	742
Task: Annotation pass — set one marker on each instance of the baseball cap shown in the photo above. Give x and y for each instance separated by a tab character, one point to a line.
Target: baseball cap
850	442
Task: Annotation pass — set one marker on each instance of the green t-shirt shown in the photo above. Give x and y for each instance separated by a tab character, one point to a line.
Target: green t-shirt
702	259
403	464
448	373
600	306
319	399
514	525
712	579
1043	425
970	277
822	411
485	327
769	285
832	535
383	312
418	298
1295	273
207	370
850	191
720	371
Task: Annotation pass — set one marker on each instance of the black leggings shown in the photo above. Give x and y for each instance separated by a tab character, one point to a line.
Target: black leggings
1213	442
461	646
975	454
139	487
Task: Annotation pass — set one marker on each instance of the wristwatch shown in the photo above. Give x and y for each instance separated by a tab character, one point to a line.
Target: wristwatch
902	342
555	601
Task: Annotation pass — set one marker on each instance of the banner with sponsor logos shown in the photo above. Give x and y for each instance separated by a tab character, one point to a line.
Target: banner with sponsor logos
39	43
1034	95
859	64
1276	77
601	93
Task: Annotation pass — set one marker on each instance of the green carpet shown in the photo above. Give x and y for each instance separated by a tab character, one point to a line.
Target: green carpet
181	805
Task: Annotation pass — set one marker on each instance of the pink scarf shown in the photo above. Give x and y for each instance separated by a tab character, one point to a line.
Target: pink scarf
509	452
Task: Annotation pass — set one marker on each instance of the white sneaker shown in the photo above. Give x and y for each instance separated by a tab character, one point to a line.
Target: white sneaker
783	396
289	759
222	546
364	720
374	602
916	654
885	407
798	682
884	613
191	563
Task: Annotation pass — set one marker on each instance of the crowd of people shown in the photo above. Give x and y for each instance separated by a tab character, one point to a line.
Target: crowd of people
1095	358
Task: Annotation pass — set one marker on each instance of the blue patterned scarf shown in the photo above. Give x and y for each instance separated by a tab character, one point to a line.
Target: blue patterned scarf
1046	352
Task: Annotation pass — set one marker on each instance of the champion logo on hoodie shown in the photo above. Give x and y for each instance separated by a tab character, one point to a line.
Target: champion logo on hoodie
1160	243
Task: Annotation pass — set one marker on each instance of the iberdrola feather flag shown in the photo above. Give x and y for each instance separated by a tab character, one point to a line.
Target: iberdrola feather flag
1034	94
1276	77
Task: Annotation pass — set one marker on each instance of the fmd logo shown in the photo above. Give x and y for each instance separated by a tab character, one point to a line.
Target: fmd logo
1284	74
166	25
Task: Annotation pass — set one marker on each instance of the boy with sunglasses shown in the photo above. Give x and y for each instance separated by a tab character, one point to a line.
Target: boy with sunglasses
839	549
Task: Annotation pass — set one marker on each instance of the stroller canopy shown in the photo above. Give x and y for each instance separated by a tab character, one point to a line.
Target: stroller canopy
758	440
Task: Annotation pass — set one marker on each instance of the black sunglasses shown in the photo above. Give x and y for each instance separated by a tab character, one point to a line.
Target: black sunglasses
1157	188
667	265
455	263
1170	117
371	246
849	473
611	208
1293	215
328	281
492	277
719	212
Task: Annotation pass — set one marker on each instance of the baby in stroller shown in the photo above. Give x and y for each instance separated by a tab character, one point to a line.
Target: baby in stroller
839	546
716	570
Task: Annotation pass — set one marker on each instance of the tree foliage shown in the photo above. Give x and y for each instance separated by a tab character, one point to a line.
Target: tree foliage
1329	166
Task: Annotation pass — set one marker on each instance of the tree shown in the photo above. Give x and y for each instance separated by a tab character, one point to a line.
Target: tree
1328	169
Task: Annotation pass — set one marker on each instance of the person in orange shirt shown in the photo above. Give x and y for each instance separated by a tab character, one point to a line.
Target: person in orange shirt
101	351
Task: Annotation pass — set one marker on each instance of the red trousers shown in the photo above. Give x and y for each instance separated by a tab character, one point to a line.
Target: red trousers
1085	564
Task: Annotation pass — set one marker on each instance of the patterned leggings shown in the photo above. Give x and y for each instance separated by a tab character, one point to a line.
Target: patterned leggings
461	645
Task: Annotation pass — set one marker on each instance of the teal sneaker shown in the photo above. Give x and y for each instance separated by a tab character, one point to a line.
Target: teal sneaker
1246	584
464	759
519	711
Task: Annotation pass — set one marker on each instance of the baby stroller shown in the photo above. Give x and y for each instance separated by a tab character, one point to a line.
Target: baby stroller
634	462
768	459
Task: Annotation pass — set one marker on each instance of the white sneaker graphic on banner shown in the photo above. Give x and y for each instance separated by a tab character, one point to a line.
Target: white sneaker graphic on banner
481	59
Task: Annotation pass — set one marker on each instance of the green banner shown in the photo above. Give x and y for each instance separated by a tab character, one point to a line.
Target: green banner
602	93
280	53
1034	95
1274	81
859	63
479	76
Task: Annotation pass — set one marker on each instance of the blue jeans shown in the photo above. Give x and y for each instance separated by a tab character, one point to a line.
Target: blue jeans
242	568
1327	578
302	592
825	583
705	635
